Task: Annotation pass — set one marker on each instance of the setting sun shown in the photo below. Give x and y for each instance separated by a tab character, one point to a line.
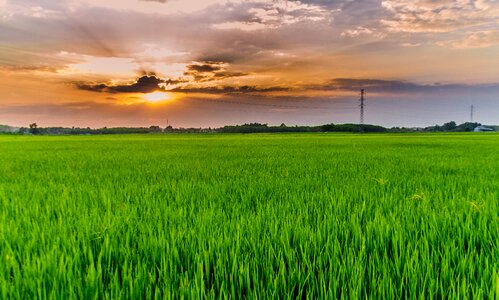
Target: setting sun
157	97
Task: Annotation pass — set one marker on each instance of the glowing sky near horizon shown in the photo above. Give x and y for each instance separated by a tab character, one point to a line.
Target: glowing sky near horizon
200	63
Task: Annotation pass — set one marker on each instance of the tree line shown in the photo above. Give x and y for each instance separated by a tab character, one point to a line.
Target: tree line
245	128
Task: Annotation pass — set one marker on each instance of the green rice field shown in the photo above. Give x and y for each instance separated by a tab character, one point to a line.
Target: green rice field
257	216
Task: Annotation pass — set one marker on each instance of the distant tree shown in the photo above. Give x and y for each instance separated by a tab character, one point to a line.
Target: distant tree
327	127
433	128
33	128
450	126
155	129
468	126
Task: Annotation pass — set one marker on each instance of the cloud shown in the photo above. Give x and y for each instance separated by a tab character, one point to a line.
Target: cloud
225	75
410	45
205	67
160	1
363	31
31	68
262	14
103	32
388	86
210	70
438	16
145	84
96	31
480	39
42	9
151	83
293	43
230	89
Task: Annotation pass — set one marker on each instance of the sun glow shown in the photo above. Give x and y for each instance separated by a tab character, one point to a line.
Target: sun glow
157	97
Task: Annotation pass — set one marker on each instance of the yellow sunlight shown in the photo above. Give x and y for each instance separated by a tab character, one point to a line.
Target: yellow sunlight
157	97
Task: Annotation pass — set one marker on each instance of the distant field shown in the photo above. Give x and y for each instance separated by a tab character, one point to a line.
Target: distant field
247	216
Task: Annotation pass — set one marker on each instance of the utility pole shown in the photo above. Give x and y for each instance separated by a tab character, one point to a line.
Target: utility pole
472	110
362	105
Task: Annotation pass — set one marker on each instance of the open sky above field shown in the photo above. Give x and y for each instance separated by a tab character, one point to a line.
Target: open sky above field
216	62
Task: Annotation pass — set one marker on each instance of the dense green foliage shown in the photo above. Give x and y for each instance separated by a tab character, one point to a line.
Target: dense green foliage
8	129
245	128
247	216
452	126
34	129
264	128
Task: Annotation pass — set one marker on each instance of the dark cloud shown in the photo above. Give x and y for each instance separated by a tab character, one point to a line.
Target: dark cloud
92	87
206	77
149	84
31	68
152	83
375	85
222	75
396	86
205	67
145	84
209	71
230	89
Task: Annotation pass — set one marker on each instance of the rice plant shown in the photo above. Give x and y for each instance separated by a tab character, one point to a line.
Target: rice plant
249	216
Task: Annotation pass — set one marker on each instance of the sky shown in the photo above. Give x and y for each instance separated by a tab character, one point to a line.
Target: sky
210	63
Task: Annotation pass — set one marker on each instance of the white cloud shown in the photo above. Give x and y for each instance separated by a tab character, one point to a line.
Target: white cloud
410	45
439	16
38	8
363	31
9	10
40	12
265	14
481	39
122	67
155	7
245	26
